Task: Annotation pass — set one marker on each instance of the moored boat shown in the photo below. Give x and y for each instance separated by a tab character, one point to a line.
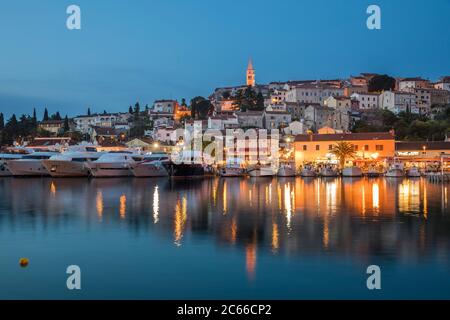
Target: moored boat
352	172
151	166
261	171
286	170
70	163
4	170
329	171
308	171
113	165
30	164
413	172
395	170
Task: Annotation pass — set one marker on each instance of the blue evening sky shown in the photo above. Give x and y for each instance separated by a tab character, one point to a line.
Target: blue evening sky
138	50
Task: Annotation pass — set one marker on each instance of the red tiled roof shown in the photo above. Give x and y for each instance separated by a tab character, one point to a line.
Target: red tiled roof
345	136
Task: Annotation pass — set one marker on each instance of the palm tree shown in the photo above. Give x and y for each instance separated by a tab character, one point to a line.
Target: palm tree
343	150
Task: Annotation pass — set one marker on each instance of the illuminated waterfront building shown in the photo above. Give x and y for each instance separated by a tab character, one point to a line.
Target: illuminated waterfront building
368	146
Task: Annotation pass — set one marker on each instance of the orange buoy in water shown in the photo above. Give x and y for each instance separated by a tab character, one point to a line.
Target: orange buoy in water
23	262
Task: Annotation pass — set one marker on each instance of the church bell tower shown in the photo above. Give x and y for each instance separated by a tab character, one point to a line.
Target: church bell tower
250	74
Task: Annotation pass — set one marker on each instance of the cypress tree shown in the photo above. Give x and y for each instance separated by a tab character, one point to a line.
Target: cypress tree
45	115
2	121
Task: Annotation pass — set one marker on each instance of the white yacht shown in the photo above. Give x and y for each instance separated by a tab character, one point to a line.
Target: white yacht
395	170
329	171
308	171
151	166
4	171
114	164
413	172
286	169
352	172
232	168
30	164
261	171
70	163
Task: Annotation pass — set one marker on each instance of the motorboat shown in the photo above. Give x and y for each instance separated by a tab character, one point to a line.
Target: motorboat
373	172
261	171
151	166
113	164
413	172
286	169
30	164
353	171
70	163
232	168
329	171
4	170
395	170
308	171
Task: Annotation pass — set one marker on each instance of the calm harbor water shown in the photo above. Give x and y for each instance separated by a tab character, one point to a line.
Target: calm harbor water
281	238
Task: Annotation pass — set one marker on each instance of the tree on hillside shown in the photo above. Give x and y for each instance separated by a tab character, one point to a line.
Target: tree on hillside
130	110
56	116
248	99
34	117
89	111
66	124
2	121
381	83
45	115
201	108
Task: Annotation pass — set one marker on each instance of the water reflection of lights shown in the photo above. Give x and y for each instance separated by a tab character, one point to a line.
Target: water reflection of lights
233	230
99	204
288	205
156	205
53	189
326	232
425	201
275	237
331	190
375	196
250	259
409	196
224	197
180	219
123	206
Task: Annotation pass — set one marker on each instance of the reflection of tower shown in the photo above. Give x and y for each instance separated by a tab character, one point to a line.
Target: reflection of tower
250	74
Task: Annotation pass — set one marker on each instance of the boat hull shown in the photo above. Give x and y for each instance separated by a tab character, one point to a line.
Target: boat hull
352	172
58	168
261	172
143	170
231	172
286	172
109	170
4	171
27	168
185	170
395	174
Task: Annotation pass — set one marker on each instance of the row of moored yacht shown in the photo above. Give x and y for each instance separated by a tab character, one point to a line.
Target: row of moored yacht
76	163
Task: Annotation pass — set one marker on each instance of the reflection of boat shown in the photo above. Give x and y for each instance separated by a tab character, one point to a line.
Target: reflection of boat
113	165
261	171
308	171
4	171
395	171
352	172
413	172
30	164
70	164
286	170
329	171
151	166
